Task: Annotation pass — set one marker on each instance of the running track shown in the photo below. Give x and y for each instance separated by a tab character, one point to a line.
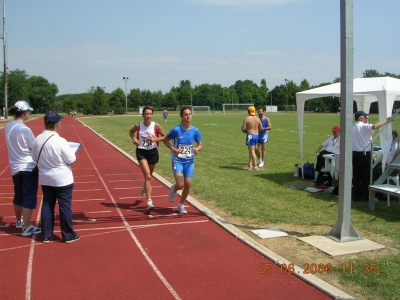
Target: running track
125	253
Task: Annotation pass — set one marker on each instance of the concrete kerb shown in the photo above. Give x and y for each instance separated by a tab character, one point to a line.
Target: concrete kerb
243	237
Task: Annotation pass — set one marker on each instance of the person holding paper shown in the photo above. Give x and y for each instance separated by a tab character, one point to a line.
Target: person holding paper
146	135
54	157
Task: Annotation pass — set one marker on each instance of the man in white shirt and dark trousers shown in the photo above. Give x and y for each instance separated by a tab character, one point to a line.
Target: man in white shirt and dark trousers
331	145
362	135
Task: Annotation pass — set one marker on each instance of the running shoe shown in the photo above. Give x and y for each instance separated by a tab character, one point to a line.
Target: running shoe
258	161
261	164
171	195
143	192
150	204
19	224
47	240
181	208
76	238
30	230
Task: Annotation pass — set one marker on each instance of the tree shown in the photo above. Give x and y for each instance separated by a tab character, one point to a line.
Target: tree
135	99
100	102
171	98
42	94
304	85
117	101
157	99
17	86
371	73
184	92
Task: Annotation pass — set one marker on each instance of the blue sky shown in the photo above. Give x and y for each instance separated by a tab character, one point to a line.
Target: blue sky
77	44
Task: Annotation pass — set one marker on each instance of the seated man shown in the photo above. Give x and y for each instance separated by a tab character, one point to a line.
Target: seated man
330	146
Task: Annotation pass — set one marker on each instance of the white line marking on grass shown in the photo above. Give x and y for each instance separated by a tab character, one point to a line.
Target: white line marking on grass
127	226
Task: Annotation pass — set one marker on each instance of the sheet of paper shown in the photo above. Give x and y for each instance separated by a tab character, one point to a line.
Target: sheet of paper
74	146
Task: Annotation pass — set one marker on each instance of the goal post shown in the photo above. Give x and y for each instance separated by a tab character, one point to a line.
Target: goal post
204	110
229	108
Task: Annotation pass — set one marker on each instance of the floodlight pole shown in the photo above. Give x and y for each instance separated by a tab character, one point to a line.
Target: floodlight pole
286	81
343	231
5	61
126	92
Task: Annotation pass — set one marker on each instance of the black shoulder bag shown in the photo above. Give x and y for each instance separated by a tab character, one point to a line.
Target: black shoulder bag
35	170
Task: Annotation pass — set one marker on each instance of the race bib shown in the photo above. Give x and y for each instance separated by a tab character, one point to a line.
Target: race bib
185	151
145	144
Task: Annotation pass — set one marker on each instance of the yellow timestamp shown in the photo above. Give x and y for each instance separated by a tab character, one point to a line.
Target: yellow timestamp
317	268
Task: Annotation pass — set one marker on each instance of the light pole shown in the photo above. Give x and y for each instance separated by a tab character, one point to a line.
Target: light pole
126	92
286	81
3	36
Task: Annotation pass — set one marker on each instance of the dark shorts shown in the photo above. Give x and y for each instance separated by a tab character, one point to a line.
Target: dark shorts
25	189
150	155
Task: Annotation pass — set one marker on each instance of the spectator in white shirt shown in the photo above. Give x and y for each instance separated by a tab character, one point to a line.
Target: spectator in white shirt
19	141
330	146
55	177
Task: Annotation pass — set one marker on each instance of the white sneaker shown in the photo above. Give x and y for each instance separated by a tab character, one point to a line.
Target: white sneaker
261	164
30	230
143	192
171	195
181	208
258	161
150	204
19	224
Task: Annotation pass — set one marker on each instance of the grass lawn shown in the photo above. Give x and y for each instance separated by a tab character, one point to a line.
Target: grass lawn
266	199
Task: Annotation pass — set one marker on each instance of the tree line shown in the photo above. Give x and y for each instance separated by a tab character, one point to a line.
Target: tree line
42	95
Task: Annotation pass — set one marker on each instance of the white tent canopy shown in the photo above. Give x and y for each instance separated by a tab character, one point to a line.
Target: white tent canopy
385	90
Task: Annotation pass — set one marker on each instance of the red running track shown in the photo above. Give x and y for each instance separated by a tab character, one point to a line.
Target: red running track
125	253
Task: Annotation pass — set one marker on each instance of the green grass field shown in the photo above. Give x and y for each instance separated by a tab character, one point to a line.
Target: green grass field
265	197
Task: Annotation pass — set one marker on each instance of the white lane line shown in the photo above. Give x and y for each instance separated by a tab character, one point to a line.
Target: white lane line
121	180
135	239
82	176
162	216
83	200
106	229
28	287
122	174
141	197
93	212
1	173
88	190
85	181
